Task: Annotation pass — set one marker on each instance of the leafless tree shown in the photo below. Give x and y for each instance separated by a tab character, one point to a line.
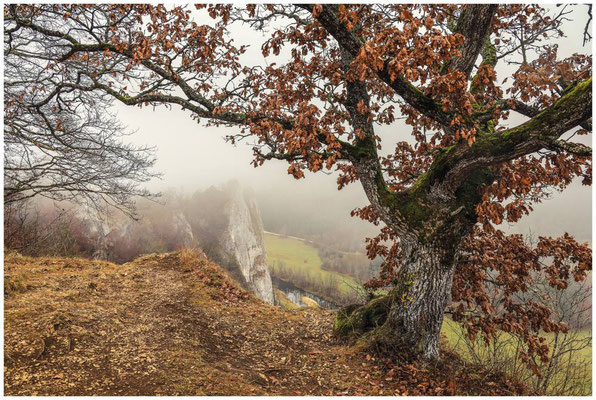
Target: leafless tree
60	142
37	229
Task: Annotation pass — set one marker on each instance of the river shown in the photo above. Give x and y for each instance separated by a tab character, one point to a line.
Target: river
295	294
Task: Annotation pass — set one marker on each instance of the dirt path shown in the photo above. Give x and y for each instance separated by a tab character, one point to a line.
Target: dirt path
175	324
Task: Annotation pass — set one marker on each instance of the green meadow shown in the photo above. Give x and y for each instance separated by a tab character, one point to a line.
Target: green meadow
575	367
298	261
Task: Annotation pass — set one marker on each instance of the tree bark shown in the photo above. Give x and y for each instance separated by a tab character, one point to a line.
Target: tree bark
407	321
419	300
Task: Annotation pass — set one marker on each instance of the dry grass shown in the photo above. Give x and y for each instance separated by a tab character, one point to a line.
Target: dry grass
175	324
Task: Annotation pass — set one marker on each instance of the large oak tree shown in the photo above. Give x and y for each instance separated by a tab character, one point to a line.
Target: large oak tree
457	172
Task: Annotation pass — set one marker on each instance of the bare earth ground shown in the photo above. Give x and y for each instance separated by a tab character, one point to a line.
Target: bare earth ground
175	324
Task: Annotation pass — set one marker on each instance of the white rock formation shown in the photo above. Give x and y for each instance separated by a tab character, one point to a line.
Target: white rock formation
224	222
243	241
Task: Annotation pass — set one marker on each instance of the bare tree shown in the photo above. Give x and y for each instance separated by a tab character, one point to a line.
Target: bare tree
37	229
63	143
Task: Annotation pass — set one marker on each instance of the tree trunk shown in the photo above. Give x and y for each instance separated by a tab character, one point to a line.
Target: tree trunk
430	236
418	301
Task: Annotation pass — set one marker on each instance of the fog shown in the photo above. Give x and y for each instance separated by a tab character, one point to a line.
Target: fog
191	157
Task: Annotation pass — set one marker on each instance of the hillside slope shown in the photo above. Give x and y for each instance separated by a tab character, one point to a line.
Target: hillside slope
175	324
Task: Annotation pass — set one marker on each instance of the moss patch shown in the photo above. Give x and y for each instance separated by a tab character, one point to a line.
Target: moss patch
355	320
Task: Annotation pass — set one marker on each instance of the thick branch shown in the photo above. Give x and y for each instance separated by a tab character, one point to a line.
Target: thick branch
350	43
570	147
523	109
205	108
460	161
363	155
474	24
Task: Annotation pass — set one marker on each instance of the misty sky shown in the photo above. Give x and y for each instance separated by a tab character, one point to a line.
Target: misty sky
192	157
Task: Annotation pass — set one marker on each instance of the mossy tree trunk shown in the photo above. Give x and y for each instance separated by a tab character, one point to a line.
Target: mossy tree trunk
408	320
431	227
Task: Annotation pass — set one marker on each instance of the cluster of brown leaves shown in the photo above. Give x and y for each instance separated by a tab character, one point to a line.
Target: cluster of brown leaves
500	266
543	80
527	181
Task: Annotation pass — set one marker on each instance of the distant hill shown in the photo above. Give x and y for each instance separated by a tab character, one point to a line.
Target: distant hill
176	324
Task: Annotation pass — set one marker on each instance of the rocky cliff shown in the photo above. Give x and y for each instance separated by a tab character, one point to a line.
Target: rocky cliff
227	223
222	221
243	240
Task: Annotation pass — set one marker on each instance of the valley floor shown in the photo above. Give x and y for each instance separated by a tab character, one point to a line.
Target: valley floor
175	324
